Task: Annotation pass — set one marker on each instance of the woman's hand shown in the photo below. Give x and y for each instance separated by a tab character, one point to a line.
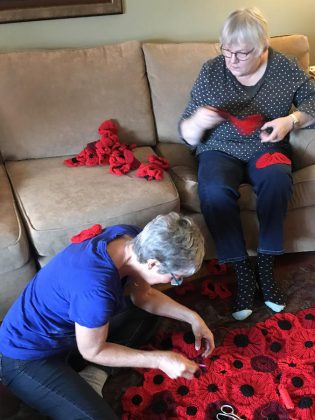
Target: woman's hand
207	117
202	333
176	365
276	130
193	128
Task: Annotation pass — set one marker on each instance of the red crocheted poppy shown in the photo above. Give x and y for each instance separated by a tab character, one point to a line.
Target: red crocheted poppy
271	410
182	388
108	126
184	342
150	171
281	324
191	408
87	157
272	158
87	233
211	387
159	161
276	345
250	390
302	344
135	400
307	318
155	381
294	365
215	289
245	341
214	267
122	161
297	380
304	404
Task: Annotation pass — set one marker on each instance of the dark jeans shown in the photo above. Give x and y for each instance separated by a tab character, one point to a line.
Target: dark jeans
219	178
55	389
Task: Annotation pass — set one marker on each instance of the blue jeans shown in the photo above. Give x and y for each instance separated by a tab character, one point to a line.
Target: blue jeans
55	389
219	179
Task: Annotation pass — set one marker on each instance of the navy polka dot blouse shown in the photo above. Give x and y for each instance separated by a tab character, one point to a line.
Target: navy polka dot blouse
284	84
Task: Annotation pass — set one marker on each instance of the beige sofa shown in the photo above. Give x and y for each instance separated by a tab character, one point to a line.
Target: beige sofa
52	104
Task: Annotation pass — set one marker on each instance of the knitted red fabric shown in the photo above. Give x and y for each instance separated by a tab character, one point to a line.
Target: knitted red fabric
150	171
122	161
239	373
87	233
246	125
159	161
214	267
272	158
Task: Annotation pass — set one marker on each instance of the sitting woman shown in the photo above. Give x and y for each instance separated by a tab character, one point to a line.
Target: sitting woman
78	296
239	121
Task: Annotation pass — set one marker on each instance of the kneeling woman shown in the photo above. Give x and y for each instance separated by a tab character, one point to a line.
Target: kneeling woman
74	301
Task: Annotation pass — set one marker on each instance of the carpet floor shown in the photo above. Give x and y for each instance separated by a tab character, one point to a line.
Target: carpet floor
296	272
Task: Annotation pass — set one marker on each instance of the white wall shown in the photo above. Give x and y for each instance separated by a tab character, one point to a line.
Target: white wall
165	20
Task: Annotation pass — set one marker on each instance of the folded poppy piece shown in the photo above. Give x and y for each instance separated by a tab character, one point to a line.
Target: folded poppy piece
122	161
87	157
87	233
246	125
150	171
272	158
108	126
159	161
214	267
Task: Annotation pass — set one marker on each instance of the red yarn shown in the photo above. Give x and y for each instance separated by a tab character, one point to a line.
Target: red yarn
150	171
246	125
87	233
214	267
272	158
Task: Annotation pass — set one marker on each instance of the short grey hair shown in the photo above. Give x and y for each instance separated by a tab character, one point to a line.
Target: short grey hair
247	26
174	240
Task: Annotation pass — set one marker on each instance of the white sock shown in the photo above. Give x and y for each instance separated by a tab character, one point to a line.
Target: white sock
241	315
274	306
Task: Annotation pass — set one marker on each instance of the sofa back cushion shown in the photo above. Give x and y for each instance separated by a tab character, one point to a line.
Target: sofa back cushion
53	101
172	69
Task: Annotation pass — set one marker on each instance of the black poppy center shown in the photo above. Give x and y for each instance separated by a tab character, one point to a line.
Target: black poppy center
137	399
309	344
210	286
309	317
297	381
273	416
183	390
158	379
238	364
247	390
285	325
191	410
215	357
189	337
241	340
305	402
275	347
212	388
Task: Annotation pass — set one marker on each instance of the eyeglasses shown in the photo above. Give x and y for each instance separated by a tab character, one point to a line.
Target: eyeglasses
176	281
239	55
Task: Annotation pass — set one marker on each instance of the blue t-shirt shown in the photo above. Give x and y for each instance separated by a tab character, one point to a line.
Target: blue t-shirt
79	285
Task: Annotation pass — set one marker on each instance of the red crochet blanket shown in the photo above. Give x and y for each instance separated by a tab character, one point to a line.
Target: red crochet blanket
263	372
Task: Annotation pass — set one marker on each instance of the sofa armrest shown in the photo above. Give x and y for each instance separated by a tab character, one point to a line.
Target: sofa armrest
303	147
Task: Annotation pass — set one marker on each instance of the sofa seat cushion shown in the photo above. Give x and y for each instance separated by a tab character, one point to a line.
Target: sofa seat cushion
185	178
14	249
57	201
